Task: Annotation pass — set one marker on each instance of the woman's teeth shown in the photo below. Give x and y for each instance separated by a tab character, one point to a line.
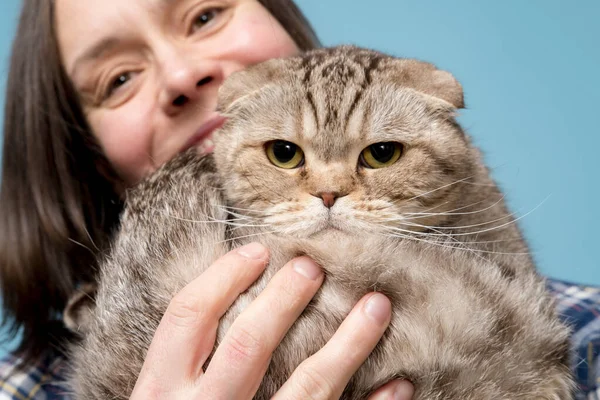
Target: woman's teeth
206	146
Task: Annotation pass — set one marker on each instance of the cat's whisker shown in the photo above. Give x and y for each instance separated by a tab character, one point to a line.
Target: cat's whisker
459	244
240	216
247	225
237	225
417	216
461	247
502	225
480	184
460	208
87	232
244	220
427	212
437	206
494	241
237	215
408	237
245	237
212	220
460	227
451	212
236	228
427	234
439	188
468	205
241	222
226	207
447	234
194	221
81	245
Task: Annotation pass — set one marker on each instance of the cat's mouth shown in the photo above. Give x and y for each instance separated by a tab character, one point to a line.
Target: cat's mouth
332	235
331	229
329	226
315	229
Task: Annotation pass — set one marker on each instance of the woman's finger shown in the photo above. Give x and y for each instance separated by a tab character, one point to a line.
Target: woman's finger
327	372
241	360
394	390
186	334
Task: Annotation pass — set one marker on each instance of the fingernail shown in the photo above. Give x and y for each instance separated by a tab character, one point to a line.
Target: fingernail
379	308
404	391
252	250
307	268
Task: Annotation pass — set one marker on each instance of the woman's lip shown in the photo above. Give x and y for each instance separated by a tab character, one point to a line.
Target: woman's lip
205	131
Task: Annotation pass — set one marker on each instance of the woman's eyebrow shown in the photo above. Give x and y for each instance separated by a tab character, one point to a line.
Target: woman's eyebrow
166	3
95	52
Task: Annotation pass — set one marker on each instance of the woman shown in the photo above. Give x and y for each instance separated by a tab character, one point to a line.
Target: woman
99	95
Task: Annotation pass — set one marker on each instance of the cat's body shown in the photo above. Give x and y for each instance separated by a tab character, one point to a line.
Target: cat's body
471	318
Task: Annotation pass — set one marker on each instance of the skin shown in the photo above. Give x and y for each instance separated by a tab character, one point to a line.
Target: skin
145	94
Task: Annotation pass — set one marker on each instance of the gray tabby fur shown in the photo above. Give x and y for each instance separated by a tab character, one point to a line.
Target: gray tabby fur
471	317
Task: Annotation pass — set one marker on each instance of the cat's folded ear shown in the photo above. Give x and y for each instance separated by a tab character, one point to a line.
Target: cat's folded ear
426	78
77	315
243	83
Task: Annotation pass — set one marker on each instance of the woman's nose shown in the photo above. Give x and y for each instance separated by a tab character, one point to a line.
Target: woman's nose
185	81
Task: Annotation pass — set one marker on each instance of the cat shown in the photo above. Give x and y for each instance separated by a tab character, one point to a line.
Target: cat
354	158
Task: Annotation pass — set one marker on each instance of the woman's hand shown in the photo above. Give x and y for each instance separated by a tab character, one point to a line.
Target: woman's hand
186	335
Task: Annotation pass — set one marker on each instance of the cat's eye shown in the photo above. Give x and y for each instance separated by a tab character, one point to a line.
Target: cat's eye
285	154
380	155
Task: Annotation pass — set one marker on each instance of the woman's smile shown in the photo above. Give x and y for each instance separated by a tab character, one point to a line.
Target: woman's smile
202	139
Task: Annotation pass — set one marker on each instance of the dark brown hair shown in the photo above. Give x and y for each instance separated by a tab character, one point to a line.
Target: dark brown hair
57	202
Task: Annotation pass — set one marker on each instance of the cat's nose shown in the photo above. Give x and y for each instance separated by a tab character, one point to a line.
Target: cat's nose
328	198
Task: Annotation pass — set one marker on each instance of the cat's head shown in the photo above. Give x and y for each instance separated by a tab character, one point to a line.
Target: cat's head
345	139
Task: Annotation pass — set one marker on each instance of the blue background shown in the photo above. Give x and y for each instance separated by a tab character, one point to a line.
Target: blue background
9	10
531	75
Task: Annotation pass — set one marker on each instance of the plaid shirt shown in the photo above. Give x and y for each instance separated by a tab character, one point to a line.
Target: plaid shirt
39	382
577	305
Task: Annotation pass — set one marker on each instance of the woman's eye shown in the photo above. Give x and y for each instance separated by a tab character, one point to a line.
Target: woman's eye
116	83
379	155
285	154
204	18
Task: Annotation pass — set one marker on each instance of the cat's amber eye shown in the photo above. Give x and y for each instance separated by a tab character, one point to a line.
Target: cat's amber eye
285	154
380	155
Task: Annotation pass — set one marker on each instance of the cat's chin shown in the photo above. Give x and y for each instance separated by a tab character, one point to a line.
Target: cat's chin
329	232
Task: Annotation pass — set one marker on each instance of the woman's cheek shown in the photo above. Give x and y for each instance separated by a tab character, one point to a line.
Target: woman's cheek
256	36
125	137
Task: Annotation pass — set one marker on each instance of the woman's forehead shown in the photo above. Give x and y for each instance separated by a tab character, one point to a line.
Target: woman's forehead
90	26
82	24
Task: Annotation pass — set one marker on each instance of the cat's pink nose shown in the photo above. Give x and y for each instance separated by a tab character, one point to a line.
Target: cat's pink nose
328	199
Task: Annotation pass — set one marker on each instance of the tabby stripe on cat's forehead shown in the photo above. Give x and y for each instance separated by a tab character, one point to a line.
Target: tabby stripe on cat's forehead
373	65
319	69
305	80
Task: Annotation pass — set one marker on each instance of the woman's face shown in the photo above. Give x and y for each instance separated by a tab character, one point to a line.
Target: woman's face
148	71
